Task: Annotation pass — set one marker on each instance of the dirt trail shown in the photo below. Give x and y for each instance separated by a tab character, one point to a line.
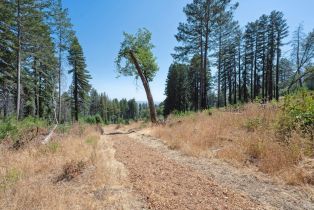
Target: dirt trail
167	179
167	184
257	186
118	193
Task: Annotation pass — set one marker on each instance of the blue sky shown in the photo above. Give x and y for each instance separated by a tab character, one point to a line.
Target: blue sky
99	25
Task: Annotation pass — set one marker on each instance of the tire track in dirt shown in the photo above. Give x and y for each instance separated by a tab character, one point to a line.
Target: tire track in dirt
118	192
255	185
169	185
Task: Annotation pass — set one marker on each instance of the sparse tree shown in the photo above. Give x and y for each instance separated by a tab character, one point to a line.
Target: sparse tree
303	53
135	58
61	25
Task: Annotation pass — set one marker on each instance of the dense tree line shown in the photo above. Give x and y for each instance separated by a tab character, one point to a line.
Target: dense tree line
36	43
112	111
34	37
249	62
99	105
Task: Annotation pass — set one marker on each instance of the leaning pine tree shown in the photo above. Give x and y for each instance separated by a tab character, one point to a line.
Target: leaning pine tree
81	77
135	58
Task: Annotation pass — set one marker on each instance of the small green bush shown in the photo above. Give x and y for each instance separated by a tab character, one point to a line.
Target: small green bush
53	147
96	119
92	140
253	124
63	128
179	114
11	177
297	114
13	129
90	120
6	129
234	107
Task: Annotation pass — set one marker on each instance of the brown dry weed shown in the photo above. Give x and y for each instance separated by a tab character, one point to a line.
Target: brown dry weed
28	176
244	137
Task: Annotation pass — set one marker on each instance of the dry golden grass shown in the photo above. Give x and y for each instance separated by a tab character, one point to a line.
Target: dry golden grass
28	176
242	137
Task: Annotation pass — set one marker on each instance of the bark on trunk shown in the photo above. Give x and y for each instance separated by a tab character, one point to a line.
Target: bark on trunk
18	59
76	106
204	69
36	88
60	60
151	104
298	57
219	71
277	69
201	89
255	70
239	69
235	79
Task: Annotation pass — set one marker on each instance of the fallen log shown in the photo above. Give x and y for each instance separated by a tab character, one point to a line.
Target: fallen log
47	139
120	133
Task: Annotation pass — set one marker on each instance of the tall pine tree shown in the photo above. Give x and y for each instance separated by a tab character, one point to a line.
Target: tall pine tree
80	76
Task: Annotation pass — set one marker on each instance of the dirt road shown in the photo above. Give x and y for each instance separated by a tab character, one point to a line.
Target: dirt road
159	178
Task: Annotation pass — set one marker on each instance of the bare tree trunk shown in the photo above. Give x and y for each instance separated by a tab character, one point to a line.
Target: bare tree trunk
263	74
18	100
277	69
204	69
252	75
219	71
60	71
245	91
299	78
235	79
55	107
36	88
151	104
298	56
270	76
201	89
230	85
225	86
76	105
255	71
5	99
239	68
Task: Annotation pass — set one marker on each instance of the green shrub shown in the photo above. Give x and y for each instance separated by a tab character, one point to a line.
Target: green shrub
10	128
90	120
63	128
7	129
253	124
91	140
297	114
234	107
96	119
179	114
53	147
11	177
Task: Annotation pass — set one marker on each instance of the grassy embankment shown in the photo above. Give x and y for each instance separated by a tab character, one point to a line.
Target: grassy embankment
58	175
276	138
